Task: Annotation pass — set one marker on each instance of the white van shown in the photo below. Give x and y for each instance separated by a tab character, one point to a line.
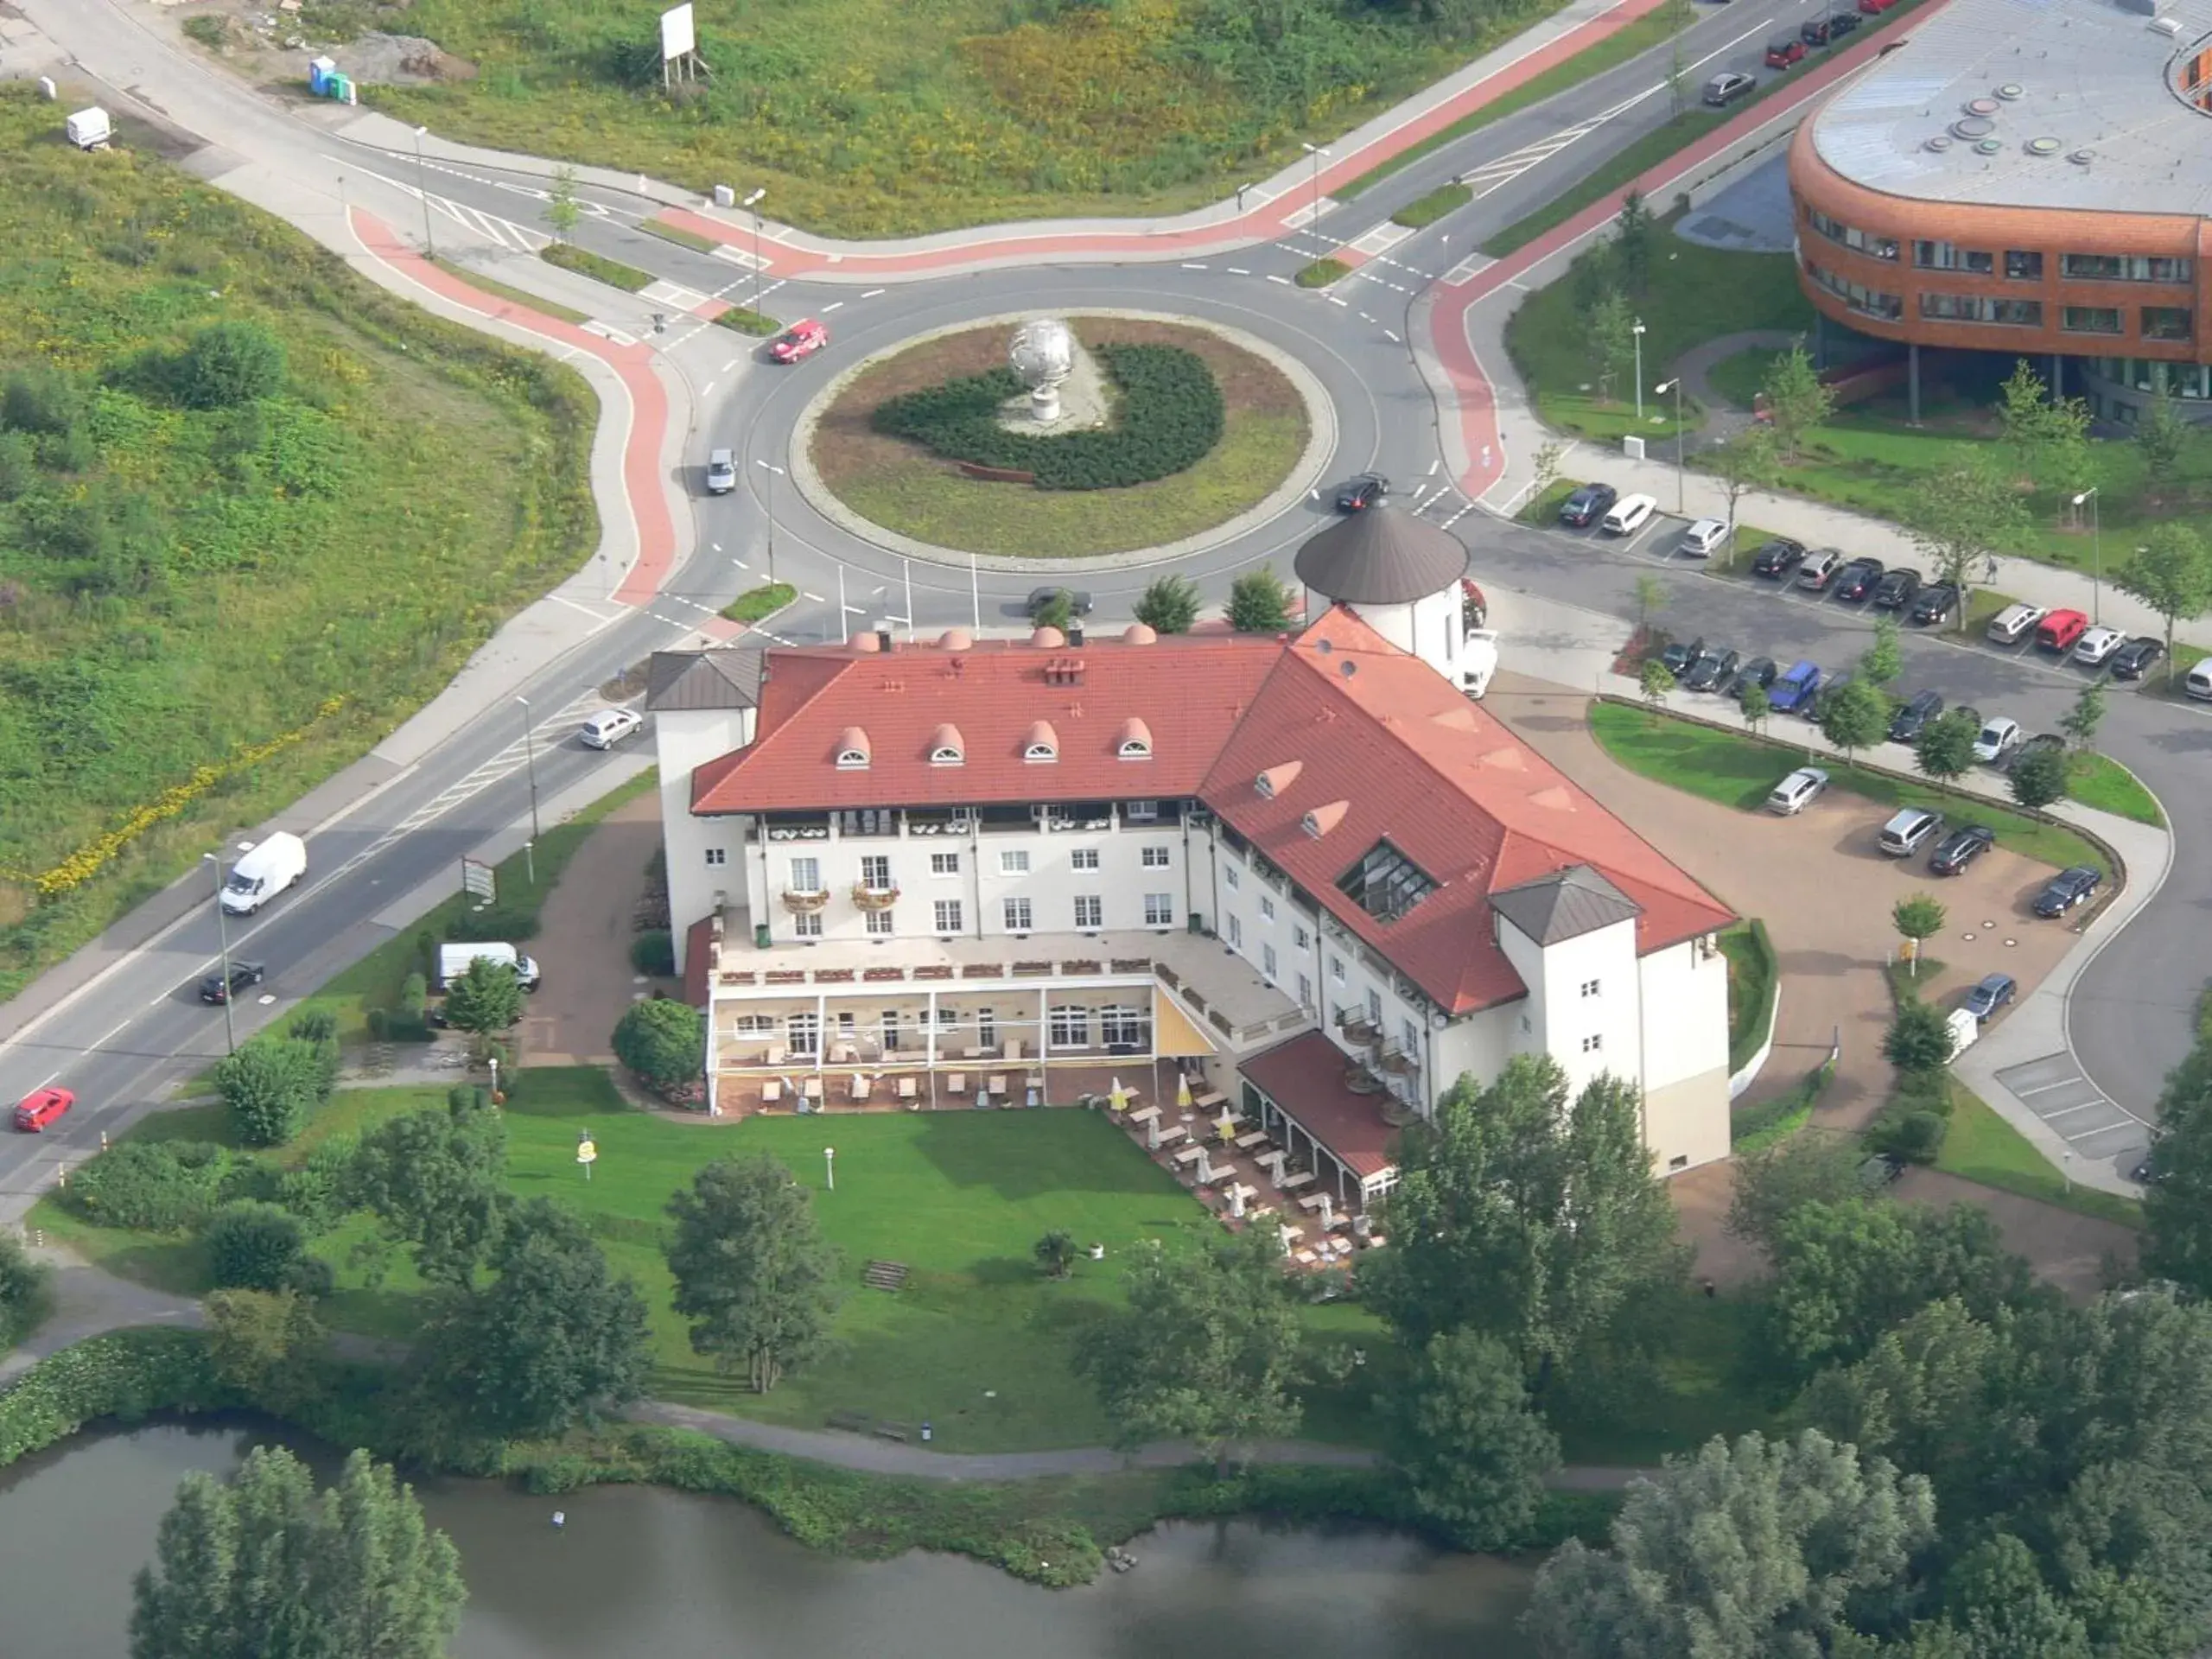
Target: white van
1629	514
453	960
89	129
2199	682
1965	1028
263	871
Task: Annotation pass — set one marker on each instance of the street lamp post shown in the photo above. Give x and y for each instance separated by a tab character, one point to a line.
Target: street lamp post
776	472
422	181
1636	329
1681	485
2096	551
753	202
1316	151
223	946
530	760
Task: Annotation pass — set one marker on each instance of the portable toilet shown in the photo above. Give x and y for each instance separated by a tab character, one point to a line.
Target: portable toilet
320	71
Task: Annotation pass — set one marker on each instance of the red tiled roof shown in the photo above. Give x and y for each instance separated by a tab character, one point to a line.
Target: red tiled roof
1305	1078
1188	692
1413	762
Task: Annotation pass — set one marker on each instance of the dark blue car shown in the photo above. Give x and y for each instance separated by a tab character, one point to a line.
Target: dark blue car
1793	690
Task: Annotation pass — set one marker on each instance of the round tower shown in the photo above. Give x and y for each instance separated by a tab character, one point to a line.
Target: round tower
1401	575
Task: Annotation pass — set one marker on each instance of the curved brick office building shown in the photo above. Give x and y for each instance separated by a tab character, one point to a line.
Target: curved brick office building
2025	176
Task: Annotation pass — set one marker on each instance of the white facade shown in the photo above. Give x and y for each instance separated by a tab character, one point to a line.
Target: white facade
1433	628
704	871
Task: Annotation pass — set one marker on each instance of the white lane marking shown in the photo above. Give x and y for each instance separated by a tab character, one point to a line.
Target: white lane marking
732	363
1285	280
1187	265
872	293
1393	338
708	391
1433	466
816	598
1238	271
832	305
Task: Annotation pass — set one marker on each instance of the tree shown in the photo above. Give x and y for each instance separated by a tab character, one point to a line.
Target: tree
26	1291
1958	515
1650	595
1611	334
1545	462
253	1246
1169	604
2037	779
1773	1181
1944	749
1921	1396
2024	415
1259	602
664	1041
1884	660
1525	1212
1919	1038
1654	680
1208	1350
436	1180
1466	1443
1754	704
1055	1253
1796	401
555	1339
1633	232
266	1344
753	1272
1855	716
230	363
2177	1203
1747	461
266	1565
1918	917
1056	612
269	1086
2081	722
562	209
486	999
2172	573
1748	1551
2162	437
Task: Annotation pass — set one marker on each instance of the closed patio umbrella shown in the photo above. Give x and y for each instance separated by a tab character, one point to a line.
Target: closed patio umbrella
1117	1098
1183	1091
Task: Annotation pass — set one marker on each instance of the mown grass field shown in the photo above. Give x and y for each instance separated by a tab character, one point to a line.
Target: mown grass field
204	611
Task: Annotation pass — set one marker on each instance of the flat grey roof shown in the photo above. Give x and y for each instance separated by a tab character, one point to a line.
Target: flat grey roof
2014	91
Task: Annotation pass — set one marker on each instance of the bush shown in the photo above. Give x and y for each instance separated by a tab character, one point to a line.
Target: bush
127	1375
228	364
1915	1136
25	1291
149	1186
41	400
378	1024
414	996
511	919
254	1246
270	1085
1170	417
654	953
663	1041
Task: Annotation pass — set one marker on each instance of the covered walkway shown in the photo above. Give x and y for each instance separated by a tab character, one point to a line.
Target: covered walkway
1297	1090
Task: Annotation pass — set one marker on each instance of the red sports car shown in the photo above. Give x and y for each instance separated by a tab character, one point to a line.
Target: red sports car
802	339
41	1107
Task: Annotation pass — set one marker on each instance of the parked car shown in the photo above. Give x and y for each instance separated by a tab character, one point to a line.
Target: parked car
1933	605
1819	570
1813	708
1896	589
1704	538
722	472
213	989
2012	625
1879	1170
2097	645
41	1107
2061	631
1960	849
1677	656
1723	90
1817	32
1796	791
1587	504
1759	671
1993	994
1913	718
1999	737
803	339
1794	690
1783	50
1362	493
2067	890
2135	658
1712	669
609	726
2036	744
1875	8
2198	681
1039	598
1856	579
1908	831
1629	514
1778	557
1843	23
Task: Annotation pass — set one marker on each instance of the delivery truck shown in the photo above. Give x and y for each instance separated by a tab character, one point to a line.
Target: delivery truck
453	960
263	871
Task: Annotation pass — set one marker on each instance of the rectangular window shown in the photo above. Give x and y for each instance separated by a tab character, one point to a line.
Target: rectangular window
1374	1009
1084	858
1592	1044
806	875
987	1027
1160	910
1268	964
879	924
1090	909
1409	1037
1300	938
2166	323
1305	990
1071	1028
1017	915
1230	879
889	1018
1128	1025
807	925
1266	908
1866	242
1235	934
1857	296
1589	987
2125	267
1981	308
948	915
1944	256
2023	267
1013	861
2090	320
875	872
945	863
1336	970
803	1032
717	855
1155	858
1141	812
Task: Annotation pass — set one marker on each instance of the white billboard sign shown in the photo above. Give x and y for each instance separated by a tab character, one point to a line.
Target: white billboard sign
678	36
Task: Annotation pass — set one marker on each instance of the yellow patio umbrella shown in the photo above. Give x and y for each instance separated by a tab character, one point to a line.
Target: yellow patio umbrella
1183	1091
1117	1098
1225	1125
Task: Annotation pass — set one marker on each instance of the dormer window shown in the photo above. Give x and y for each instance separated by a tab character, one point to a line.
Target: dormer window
852	750
1042	743
1135	743
1136	749
946	748
1275	780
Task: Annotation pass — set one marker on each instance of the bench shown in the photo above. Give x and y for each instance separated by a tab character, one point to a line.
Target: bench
854	1422
894	1432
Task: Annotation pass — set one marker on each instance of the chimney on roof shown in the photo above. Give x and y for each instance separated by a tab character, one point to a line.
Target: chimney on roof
883	640
1075	633
1063	670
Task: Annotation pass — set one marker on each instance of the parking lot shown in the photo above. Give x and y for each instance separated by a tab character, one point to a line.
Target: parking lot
2093	1127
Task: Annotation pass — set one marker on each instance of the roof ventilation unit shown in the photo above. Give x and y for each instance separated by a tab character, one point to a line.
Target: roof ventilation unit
2043	146
2083	158
1988	147
2011	92
2169	27
1940	143
1972	126
1980	107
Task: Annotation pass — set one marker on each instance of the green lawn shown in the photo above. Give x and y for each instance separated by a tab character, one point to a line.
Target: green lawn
1738	771
1739	376
2095	780
598	267
1982	1146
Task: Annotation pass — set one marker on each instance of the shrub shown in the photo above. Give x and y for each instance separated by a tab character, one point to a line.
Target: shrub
510	920
1914	1136
1259	602
254	1246
25	1284
1170	417
40	399
270	1085
228	364
414	994
151	1186
378	1023
654	953
126	1375
663	1041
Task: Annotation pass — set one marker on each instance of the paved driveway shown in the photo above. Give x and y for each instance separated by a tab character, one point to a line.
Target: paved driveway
583	942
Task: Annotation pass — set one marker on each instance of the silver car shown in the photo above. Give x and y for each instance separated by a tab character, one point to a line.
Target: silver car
722	472
1797	791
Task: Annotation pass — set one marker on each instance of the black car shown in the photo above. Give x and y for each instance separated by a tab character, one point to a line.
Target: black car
2135	658
1856	579
1777	558
1913	718
1960	849
2036	744
1711	669
1817	32
1895	591
1934	604
1993	994
243	974
2066	890
1880	1170
1042	598
1759	671
1678	657
1362	493
1588	505
1840	25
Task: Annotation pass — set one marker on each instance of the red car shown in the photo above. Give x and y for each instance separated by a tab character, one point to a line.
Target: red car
1784	50
41	1107
2060	629
802	339
1875	8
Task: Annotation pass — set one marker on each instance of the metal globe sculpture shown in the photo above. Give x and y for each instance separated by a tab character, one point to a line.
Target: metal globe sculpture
1042	357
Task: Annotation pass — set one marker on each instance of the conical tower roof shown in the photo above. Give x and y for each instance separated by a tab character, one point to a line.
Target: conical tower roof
1380	556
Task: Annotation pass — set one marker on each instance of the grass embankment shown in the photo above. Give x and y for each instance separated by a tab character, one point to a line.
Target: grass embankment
1739	770
759	604
596	266
864	118
745	321
205	611
1755	1127
2099	781
902	488
1424	211
1753	985
1321	273
677	234
499	290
